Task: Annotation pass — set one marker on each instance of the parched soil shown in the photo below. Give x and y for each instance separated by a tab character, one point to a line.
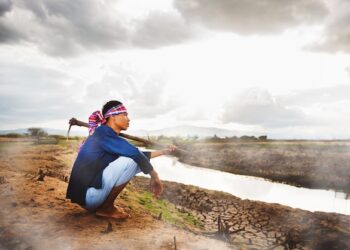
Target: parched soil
259	225
310	164
34	213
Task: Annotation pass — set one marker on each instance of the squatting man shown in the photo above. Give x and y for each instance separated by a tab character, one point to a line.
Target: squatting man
106	163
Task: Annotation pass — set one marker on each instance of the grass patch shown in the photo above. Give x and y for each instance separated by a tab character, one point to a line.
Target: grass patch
169	212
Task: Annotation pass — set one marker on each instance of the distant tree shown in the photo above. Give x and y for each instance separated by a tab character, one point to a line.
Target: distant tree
245	137
263	138
12	135
230	139
248	138
36	132
215	138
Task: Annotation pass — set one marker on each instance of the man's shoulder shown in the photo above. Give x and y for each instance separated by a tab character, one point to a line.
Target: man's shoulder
104	130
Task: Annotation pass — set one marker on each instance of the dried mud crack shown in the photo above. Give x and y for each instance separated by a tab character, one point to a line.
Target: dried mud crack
34	213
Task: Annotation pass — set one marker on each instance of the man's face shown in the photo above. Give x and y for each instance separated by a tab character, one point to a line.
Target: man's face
121	121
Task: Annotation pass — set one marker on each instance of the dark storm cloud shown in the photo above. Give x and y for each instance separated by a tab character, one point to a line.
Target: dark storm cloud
69	28
8	31
336	35
161	28
251	16
5	6
8	34
257	107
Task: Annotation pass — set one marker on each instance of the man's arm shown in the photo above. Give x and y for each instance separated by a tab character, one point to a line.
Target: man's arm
166	151
119	146
155	183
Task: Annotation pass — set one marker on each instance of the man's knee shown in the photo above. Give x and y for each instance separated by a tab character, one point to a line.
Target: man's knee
128	171
130	167
128	162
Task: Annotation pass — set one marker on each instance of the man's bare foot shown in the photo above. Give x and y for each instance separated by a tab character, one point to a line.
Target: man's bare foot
112	212
119	209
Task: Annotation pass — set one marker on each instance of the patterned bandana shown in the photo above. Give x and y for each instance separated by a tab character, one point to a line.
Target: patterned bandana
96	118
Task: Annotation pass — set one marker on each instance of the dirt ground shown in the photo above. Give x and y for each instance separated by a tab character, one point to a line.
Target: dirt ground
34	213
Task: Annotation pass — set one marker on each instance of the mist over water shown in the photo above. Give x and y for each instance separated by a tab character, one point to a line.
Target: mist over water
253	188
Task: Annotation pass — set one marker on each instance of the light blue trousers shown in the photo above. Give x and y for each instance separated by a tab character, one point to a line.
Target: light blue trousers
115	174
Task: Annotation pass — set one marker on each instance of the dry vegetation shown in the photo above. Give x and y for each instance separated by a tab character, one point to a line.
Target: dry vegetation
312	164
34	213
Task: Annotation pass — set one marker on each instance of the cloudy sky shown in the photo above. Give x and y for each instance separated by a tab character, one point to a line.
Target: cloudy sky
273	67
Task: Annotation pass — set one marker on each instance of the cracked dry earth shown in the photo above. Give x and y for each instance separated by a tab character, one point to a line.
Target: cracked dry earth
249	224
35	214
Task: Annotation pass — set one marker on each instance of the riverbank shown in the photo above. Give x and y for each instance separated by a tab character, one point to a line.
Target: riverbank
309	164
35	214
257	225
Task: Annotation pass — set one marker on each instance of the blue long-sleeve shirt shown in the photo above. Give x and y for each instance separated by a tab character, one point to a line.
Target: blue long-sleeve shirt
100	149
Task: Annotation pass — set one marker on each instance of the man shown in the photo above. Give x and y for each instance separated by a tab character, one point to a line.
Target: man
107	162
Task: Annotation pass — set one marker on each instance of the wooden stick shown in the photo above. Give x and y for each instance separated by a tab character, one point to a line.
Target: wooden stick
73	121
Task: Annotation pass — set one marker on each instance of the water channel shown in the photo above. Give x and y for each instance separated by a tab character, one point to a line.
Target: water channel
252	188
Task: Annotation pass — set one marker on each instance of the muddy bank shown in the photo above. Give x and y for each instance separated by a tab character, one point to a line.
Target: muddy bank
310	164
257	225
34	213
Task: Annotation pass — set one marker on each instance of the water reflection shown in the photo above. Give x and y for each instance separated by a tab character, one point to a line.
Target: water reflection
252	188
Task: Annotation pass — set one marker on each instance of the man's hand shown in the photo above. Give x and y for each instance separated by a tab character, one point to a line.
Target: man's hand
169	149
73	121
155	184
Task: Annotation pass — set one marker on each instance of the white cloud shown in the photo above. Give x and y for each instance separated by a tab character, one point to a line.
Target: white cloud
310	113
145	96
325	96
257	107
30	94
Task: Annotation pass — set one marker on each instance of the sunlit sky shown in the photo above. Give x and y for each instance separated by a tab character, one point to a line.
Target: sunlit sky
272	67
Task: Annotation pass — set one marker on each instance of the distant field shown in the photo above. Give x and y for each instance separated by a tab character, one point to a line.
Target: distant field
312	164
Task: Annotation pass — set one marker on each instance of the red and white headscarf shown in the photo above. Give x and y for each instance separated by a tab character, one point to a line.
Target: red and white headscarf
96	118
